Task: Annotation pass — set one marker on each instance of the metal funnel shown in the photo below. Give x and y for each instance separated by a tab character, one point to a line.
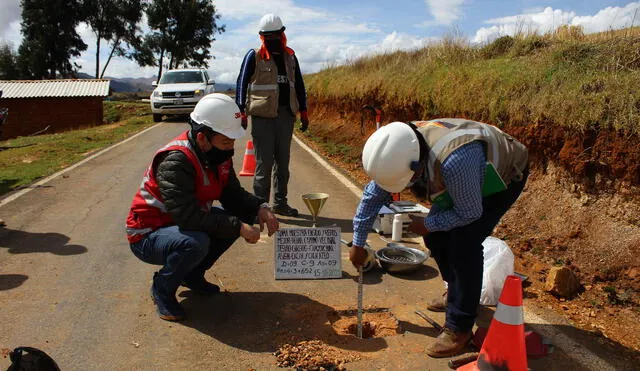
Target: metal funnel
315	202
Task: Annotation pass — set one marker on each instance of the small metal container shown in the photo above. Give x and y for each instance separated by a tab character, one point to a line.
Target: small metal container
397	258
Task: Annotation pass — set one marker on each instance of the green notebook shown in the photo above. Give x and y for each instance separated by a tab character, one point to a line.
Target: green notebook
493	183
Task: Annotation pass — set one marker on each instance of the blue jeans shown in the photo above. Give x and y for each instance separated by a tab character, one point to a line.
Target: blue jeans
459	256
184	255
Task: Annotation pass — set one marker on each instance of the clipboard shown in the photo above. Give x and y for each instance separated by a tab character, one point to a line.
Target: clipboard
493	183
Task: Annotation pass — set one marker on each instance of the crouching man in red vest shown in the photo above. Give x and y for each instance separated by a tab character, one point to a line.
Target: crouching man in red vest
172	222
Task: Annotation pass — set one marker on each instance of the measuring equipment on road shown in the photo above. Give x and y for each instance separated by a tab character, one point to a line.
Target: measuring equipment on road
315	202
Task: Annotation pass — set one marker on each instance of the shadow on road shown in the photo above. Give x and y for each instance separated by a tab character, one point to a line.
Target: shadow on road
304	220
264	321
11	281
21	242
376	275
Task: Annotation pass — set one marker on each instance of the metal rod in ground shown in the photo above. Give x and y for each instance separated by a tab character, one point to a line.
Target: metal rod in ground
360	302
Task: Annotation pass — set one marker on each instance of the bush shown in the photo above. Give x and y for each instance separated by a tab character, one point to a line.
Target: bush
529	45
498	47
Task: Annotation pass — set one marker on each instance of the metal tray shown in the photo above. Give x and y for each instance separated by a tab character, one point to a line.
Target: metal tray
397	258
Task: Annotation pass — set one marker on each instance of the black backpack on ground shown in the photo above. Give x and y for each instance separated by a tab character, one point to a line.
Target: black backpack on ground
31	359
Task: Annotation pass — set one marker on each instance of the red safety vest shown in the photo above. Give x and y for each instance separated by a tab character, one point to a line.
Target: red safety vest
148	211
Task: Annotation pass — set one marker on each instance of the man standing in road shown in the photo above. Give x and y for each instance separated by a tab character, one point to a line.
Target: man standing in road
270	89
172	222
472	173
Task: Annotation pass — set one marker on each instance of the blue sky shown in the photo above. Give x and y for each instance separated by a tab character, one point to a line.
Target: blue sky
332	32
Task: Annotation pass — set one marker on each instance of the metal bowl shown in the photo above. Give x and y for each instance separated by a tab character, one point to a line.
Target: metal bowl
397	258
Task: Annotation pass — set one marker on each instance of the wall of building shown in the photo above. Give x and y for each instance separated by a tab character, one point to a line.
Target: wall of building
30	115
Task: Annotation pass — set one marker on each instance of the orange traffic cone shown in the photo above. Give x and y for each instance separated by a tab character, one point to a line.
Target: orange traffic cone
504	347
249	162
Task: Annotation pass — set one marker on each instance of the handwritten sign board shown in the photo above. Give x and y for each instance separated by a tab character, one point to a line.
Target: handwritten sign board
307	253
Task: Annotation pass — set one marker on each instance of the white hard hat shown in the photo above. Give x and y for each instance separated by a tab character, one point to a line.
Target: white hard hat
220	113
388	154
270	23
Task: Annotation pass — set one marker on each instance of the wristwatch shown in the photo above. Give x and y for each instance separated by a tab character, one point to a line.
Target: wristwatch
265	205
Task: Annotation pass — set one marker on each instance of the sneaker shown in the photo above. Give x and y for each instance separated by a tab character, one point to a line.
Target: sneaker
438	304
201	286
448	343
167	306
285	210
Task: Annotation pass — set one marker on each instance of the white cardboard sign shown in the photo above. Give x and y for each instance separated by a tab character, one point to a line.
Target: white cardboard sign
307	253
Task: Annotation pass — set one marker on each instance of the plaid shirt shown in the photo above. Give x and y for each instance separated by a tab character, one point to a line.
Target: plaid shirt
463	175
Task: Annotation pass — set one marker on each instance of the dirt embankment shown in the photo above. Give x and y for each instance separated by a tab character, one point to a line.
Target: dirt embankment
581	208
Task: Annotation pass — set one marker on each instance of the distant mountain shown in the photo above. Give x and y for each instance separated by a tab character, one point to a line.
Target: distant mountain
142	84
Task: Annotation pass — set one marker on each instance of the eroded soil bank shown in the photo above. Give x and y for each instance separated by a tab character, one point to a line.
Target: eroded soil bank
581	209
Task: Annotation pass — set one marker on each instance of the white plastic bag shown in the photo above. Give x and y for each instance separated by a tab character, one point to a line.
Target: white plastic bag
498	264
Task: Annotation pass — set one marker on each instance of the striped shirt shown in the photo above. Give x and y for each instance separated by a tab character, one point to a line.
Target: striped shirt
463	174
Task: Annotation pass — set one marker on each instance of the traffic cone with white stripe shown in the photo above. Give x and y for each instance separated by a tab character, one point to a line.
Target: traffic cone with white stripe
249	162
504	346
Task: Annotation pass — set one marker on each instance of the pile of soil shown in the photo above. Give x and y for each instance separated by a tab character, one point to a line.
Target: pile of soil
319	353
313	355
581	209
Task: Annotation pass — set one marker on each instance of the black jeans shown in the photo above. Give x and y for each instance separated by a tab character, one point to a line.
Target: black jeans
272	144
459	256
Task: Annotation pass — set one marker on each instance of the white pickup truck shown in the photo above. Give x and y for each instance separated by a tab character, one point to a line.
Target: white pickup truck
178	91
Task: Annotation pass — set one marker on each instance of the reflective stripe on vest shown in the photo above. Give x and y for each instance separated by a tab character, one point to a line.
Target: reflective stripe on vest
258	87
509	315
148	197
440	144
134	231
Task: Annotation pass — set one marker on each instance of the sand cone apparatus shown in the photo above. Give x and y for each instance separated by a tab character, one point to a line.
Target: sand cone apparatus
504	347
249	162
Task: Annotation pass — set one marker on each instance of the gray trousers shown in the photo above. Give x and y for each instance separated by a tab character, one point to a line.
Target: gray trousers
272	146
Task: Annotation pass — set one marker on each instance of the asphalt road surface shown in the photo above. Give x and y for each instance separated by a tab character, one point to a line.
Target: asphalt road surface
70	286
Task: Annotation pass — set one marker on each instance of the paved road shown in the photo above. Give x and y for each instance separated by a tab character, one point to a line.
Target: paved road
70	285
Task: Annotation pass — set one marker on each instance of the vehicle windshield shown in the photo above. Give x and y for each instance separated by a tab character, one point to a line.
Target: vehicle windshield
181	77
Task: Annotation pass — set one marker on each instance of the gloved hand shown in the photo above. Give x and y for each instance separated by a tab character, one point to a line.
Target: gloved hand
304	118
243	119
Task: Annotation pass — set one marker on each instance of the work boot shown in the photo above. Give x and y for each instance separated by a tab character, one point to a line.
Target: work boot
201	286
448	343
285	210
438	304
166	304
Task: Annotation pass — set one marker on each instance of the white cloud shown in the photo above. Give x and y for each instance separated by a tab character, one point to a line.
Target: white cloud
610	18
10	16
549	19
285	9
444	12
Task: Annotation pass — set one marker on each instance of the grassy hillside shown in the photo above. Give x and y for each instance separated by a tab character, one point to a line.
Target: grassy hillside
570	79
571	98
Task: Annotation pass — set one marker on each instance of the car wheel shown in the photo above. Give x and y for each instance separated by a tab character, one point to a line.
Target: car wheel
157	117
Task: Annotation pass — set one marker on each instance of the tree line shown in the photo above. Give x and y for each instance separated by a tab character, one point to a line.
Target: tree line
178	33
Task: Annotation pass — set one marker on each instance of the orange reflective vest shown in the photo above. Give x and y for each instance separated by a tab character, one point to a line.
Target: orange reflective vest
148	211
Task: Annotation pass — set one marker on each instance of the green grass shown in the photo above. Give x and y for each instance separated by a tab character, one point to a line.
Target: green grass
566	78
28	159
